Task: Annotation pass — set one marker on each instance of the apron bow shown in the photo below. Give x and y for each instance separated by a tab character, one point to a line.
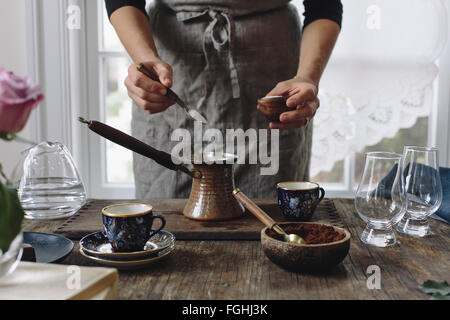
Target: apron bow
219	32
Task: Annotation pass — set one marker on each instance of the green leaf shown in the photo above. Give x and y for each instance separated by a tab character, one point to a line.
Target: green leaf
435	287
11	216
438	296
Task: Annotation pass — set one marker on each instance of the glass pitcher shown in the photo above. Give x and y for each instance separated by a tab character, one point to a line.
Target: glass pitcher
50	186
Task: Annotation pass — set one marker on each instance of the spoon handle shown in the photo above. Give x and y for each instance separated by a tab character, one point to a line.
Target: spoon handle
253	208
200	117
143	69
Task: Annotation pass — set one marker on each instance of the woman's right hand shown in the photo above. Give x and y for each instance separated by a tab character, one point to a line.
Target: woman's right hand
150	95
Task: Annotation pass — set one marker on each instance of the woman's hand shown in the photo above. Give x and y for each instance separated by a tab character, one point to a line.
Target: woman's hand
150	95
302	94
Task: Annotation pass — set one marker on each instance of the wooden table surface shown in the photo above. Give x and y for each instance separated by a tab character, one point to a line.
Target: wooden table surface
240	270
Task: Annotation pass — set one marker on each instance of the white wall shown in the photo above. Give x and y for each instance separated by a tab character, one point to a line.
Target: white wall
13	57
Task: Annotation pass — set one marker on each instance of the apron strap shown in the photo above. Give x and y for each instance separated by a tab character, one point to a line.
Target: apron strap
220	33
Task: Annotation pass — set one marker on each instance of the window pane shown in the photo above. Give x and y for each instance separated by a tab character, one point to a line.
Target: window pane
335	175
111	41
416	135
118	115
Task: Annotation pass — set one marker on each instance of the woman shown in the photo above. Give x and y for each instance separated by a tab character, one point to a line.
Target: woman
220	56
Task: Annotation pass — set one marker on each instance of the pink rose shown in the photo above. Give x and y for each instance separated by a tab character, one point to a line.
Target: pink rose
18	96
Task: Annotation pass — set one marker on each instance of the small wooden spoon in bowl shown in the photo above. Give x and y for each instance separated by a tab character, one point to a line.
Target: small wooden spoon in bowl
265	218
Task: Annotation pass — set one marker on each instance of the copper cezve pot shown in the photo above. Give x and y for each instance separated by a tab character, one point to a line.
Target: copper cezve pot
212	185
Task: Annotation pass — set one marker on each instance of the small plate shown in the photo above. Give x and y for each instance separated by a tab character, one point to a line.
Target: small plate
48	247
130	264
97	244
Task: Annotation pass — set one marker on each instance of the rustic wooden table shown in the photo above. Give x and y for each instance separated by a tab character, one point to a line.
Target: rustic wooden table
240	270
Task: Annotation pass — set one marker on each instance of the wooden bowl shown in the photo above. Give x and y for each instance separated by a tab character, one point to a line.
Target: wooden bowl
304	257
273	106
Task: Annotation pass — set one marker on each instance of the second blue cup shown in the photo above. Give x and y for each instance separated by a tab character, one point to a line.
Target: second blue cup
299	199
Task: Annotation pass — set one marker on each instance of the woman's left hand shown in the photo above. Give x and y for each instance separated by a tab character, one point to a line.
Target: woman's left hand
302	94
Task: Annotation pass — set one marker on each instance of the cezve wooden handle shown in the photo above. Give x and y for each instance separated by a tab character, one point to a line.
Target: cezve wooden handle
253	208
131	143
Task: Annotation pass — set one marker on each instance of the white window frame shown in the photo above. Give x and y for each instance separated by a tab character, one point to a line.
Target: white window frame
98	178
67	66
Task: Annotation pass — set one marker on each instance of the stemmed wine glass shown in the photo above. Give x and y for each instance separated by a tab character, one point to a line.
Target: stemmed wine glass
380	198
423	189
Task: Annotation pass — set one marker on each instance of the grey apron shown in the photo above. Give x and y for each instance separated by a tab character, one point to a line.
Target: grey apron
222	63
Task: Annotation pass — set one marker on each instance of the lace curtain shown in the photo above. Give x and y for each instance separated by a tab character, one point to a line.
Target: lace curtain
380	76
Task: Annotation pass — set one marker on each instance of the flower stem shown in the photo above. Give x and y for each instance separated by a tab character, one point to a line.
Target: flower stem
8	182
20	139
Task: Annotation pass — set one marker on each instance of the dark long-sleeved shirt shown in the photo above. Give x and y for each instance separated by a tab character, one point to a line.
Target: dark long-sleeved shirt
314	9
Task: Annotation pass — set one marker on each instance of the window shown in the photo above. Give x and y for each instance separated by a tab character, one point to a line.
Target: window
376	57
113	174
379	89
117	104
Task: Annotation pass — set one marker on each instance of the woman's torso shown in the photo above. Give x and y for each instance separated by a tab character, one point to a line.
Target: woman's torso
263	49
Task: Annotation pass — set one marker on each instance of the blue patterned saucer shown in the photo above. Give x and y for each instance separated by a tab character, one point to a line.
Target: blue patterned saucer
97	245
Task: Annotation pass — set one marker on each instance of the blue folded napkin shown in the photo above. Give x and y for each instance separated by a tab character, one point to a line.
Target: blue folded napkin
443	212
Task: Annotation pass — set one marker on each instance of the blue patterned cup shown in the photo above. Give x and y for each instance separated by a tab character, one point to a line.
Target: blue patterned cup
128	226
298	199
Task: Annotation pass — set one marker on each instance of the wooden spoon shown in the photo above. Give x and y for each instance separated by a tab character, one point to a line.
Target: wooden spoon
265	218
